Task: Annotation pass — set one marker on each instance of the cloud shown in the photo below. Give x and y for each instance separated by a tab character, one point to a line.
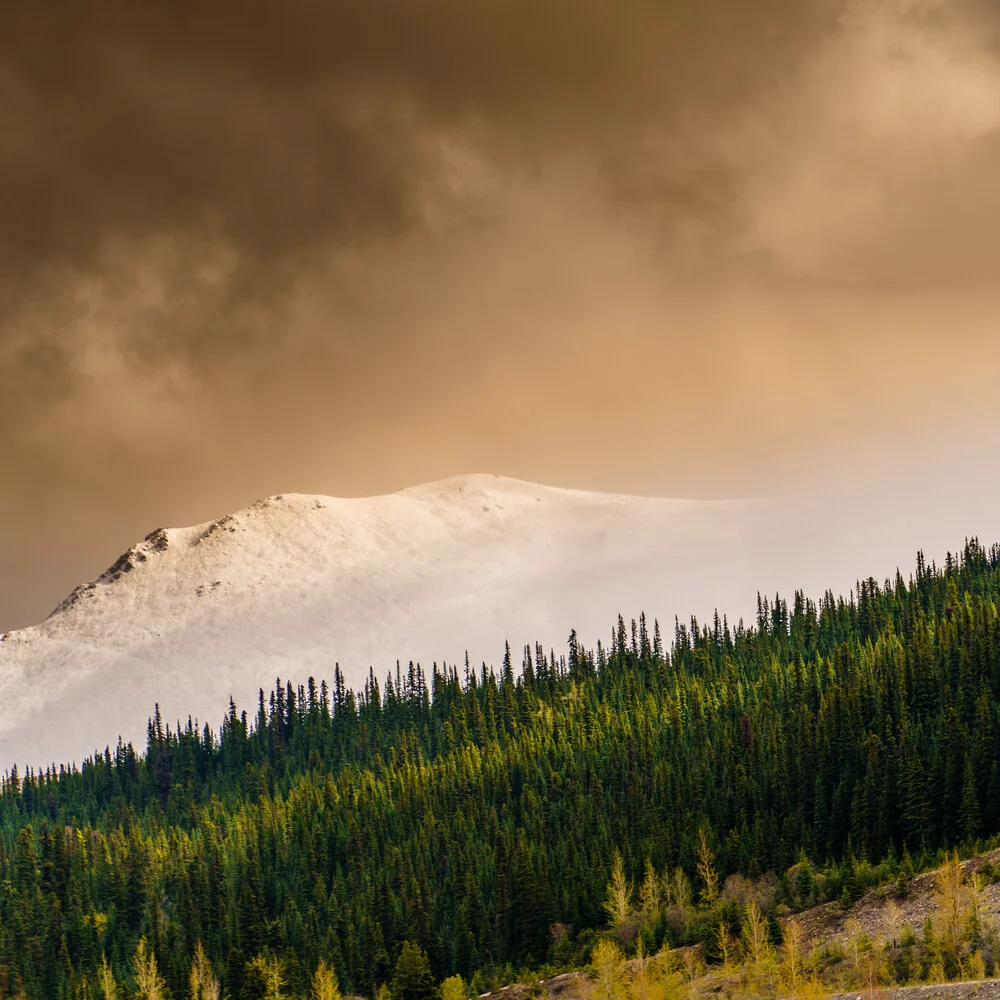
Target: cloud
875	169
304	124
247	248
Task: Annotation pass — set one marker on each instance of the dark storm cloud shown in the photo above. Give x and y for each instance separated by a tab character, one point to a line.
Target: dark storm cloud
286	124
344	246
288	132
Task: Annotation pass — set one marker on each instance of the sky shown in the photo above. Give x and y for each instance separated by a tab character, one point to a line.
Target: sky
706	249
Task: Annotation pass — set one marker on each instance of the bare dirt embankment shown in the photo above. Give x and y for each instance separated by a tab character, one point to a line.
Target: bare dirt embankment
567	986
882	913
572	986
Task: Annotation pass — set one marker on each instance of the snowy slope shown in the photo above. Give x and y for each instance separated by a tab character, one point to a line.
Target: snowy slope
294	583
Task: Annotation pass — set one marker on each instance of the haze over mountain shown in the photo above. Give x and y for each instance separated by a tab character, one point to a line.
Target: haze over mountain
294	583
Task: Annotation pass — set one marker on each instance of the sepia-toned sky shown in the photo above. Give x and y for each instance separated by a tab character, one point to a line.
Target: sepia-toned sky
682	247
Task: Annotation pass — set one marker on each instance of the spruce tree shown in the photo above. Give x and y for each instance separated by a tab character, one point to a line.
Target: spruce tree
412	978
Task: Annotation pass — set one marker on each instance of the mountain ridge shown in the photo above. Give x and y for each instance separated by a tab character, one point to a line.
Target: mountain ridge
296	582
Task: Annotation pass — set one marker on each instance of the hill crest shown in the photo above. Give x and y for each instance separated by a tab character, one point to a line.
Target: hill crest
295	582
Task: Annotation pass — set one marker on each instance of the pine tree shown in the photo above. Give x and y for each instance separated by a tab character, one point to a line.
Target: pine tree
149	982
339	830
706	870
608	964
268	978
618	897
453	988
106	981
412	979
970	819
202	984
324	983
650	896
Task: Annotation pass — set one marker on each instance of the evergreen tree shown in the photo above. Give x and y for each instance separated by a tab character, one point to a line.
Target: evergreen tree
412	978
466	814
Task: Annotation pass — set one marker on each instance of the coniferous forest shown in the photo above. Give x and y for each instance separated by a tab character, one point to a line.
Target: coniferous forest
475	817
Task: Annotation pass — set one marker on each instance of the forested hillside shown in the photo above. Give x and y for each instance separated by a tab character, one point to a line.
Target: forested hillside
470	813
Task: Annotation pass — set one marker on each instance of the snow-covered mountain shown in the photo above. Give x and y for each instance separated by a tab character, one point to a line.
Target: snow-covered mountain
295	583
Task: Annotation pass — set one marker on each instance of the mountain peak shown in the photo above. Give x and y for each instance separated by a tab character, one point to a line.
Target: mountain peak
296	582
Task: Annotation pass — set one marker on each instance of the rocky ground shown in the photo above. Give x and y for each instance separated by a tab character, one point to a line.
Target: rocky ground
882	913
572	985
567	986
981	989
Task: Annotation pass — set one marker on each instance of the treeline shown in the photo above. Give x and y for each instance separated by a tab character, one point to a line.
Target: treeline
470	811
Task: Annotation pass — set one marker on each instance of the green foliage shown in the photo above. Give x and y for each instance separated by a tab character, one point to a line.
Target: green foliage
454	988
326	987
412	978
471	814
